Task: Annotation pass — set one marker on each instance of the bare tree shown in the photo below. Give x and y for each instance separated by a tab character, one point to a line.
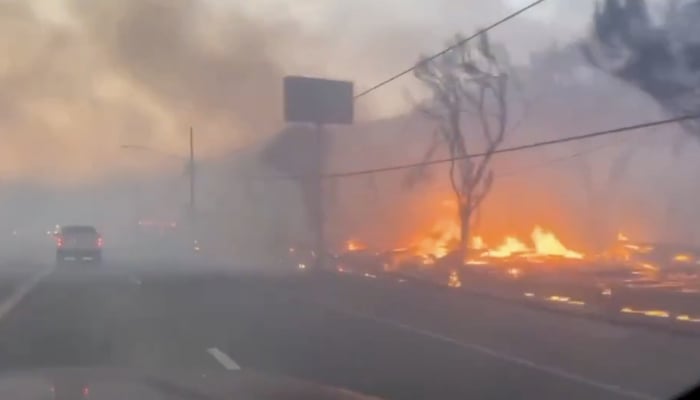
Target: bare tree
469	88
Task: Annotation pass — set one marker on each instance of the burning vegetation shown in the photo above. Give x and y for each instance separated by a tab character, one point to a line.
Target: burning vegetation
438	245
542	245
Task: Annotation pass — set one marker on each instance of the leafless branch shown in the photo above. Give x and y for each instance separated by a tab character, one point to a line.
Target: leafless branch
468	85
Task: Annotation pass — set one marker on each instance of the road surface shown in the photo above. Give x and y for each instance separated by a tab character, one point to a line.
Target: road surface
384	337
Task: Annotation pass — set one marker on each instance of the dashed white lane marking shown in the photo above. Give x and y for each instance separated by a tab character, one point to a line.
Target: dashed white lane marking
21	291
552	371
223	359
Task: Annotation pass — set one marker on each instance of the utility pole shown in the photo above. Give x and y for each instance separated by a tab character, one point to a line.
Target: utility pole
193	208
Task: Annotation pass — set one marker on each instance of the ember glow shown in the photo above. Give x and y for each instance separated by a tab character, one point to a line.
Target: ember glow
453	281
652	257
354	245
648	266
638	248
684	258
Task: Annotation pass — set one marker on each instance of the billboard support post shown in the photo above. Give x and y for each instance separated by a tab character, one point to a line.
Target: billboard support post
320	229
319	102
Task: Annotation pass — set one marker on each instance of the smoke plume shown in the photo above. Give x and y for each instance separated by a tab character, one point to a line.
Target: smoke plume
661	59
82	77
80	83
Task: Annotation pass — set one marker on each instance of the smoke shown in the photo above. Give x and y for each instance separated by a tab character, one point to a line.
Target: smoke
87	76
662	59
122	72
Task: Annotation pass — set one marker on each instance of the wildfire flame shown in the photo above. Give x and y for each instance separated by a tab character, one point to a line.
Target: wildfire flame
478	243
453	281
546	243
445	235
354	245
437	244
510	247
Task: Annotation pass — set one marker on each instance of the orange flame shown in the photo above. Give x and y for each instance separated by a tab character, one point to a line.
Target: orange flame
445	235
438	244
478	243
510	247
354	245
682	258
548	244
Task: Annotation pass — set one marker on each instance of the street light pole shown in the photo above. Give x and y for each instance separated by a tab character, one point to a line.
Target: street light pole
193	209
190	169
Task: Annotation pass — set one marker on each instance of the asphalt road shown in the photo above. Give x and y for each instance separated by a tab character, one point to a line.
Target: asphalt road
393	339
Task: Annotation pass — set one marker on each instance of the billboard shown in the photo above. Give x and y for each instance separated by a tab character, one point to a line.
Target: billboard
320	101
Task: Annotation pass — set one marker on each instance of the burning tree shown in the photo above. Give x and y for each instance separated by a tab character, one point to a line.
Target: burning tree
468	87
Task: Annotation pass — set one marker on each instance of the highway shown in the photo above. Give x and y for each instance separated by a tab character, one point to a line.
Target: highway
389	338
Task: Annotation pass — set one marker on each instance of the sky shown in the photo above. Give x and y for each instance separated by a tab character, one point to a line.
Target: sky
418	26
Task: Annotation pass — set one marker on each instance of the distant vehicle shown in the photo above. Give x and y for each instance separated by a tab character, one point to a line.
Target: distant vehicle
78	243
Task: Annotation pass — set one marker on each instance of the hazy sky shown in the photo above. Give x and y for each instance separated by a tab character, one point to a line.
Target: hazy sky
89	75
434	20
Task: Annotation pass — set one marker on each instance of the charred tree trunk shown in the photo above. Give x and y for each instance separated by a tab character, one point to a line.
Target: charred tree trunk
464	237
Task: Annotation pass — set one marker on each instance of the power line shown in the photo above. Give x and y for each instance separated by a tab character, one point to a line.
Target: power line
516	148
513	149
450	48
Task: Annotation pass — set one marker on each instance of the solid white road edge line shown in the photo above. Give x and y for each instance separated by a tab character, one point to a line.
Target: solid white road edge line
21	291
223	359
553	371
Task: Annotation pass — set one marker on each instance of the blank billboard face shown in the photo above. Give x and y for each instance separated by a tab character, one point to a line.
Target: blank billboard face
319	101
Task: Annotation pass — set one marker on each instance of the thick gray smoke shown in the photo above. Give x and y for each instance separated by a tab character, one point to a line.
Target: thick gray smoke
662	59
82	77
